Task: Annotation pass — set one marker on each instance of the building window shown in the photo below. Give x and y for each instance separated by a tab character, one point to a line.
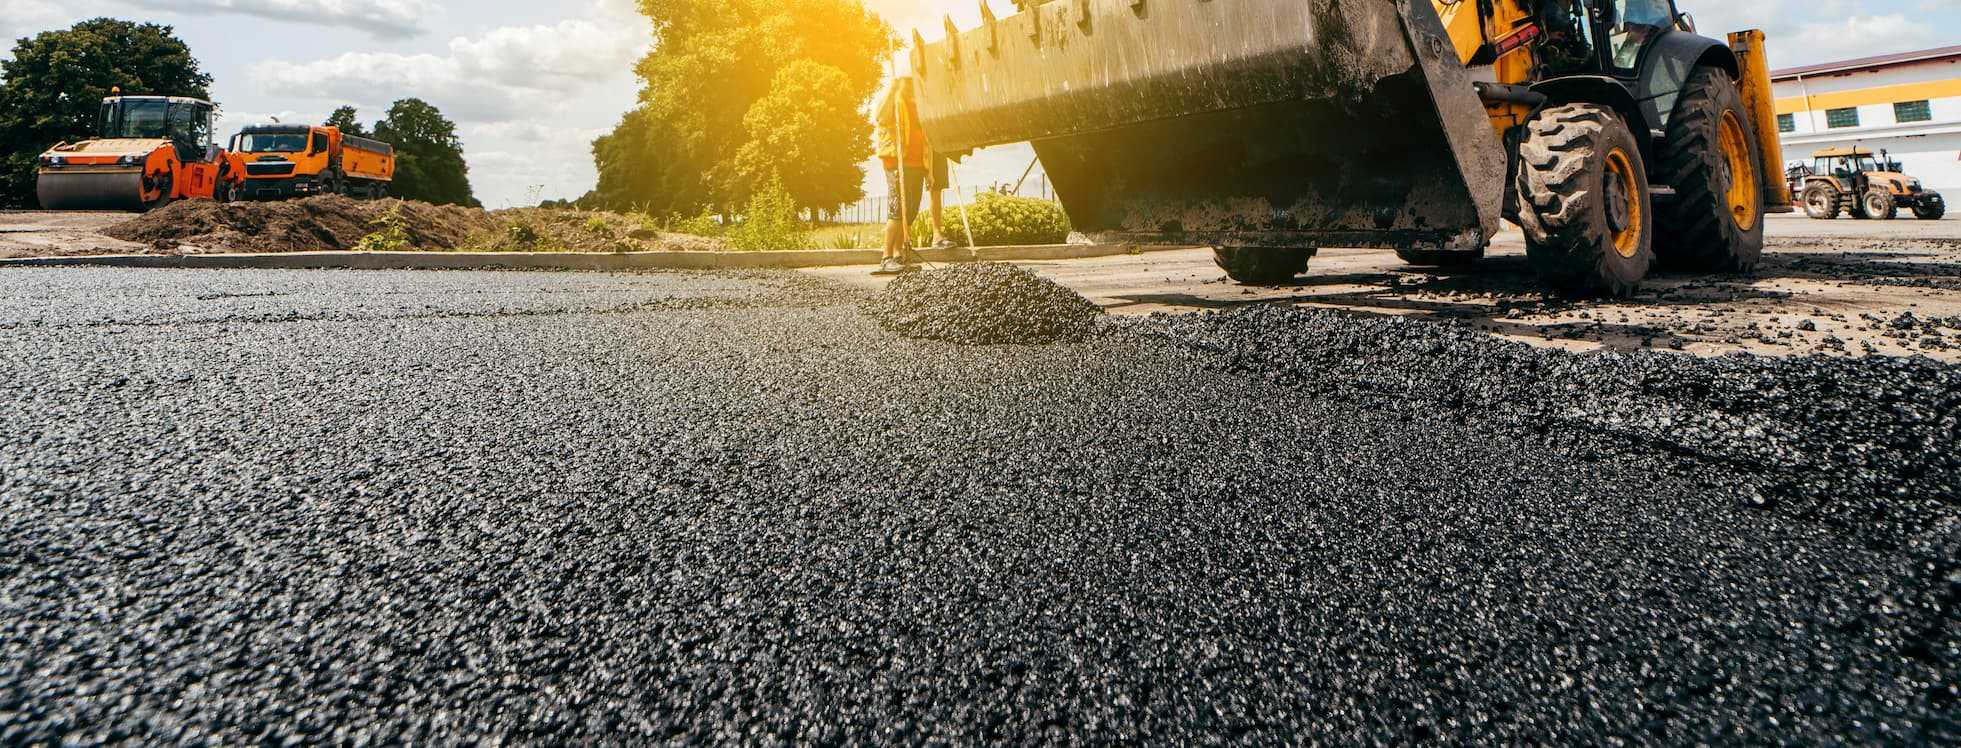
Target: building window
1842	118
1787	123
1913	111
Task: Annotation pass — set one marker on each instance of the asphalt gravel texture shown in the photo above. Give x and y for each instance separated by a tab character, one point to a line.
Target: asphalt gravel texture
540	508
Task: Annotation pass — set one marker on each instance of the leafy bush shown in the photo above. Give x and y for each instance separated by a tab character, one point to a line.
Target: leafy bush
598	225
770	223
391	234
1002	220
521	235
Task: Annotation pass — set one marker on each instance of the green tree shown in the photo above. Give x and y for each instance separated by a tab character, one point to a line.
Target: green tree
429	163
348	119
639	170
808	134
52	89
720	60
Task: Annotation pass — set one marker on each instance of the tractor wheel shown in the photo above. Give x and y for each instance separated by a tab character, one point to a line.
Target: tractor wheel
1583	201
1821	201
1933	212
1879	205
1716	221
1261	266
1437	258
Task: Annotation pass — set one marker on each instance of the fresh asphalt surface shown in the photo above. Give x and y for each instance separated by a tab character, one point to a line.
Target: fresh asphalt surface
256	506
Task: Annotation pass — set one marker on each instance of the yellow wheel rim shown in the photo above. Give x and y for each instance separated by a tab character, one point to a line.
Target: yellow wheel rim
1742	174
1620	173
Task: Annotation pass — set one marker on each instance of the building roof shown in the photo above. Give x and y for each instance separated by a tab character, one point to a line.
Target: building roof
1825	68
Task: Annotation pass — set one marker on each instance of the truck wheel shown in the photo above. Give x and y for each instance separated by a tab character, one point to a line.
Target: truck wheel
1821	201
1933	212
1261	266
1880	205
1583	201
1437	258
1716	221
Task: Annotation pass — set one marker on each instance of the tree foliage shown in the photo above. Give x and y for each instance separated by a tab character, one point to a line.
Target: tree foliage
808	133
429	163
348	120
640	170
52	89
739	90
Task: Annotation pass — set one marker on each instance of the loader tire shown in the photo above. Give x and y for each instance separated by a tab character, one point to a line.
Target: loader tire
1715	223
1436	258
1821	202
1930	212
1261	266
1879	206
1583	201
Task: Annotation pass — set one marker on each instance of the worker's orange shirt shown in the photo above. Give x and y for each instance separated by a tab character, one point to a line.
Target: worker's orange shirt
907	122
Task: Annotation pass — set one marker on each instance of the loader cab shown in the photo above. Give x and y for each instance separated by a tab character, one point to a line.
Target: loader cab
1602	37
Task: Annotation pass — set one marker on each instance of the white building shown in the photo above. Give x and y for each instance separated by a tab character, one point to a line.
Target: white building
1906	104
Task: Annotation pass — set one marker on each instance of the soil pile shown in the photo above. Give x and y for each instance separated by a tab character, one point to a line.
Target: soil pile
319	223
984	304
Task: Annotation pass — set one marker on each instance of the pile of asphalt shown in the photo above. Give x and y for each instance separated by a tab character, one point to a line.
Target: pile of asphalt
1855	442
330	223
983	303
508	507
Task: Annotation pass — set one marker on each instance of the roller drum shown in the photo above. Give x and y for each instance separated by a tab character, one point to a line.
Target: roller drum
121	191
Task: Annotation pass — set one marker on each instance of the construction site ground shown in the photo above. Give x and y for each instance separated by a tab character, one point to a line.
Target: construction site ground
1841	287
1830	287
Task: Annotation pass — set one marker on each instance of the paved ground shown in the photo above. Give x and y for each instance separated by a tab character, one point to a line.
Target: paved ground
248	507
1832	287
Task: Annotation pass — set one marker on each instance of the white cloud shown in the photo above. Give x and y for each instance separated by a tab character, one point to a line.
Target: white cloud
506	74
389	19
22	18
1864	36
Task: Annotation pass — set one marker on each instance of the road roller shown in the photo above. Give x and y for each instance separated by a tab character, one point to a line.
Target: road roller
149	151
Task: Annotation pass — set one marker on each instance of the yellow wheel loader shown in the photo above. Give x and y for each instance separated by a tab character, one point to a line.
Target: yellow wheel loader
1607	129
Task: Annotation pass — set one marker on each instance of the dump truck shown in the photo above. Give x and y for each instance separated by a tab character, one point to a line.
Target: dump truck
150	150
1857	181
1608	130
290	161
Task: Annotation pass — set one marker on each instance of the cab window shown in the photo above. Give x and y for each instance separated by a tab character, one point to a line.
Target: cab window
319	143
1636	23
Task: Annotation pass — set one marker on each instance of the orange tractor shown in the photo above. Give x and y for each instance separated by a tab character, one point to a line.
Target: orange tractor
150	150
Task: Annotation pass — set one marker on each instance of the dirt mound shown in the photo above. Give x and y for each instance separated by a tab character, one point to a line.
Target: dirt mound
984	304
319	223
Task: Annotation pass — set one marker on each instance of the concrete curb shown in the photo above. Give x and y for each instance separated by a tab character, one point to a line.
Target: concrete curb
567	260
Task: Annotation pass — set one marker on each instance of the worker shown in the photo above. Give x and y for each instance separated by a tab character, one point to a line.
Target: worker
903	149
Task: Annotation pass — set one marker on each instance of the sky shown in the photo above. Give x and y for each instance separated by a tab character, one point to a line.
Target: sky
531	83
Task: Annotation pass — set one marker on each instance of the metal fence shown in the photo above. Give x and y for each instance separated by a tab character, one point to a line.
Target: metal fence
873	209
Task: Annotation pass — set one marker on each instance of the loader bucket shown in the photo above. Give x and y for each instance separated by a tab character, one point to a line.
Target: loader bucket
1240	123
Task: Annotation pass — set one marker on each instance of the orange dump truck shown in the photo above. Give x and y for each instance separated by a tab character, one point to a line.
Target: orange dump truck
289	161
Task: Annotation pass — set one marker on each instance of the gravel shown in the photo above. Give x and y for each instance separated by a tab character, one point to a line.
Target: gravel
984	303
547	508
